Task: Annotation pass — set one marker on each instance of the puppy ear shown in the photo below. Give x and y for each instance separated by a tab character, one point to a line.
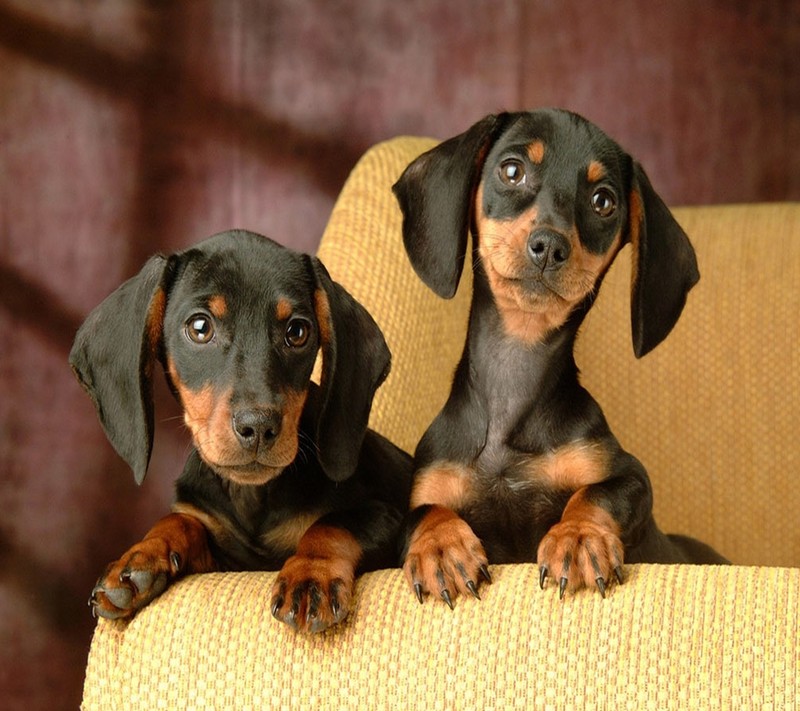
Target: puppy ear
355	361
436	193
113	357
664	266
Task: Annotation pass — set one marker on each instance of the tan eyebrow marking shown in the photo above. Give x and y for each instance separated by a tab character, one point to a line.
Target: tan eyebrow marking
536	152
596	171
283	309
218	306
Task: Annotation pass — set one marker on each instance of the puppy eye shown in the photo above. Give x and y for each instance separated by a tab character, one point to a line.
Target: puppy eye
297	333
200	329
512	172
603	202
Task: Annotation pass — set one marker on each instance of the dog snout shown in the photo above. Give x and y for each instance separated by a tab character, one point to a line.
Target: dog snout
548	249
256	428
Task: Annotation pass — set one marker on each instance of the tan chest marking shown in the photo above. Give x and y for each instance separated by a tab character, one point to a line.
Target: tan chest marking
286	536
571	467
444	483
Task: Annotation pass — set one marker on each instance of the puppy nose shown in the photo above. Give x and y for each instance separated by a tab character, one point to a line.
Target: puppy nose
256	428
548	249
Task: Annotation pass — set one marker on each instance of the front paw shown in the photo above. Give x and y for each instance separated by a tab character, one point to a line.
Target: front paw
445	557
580	553
131	582
312	594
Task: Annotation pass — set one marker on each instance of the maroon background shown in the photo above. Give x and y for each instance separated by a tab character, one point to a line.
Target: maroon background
127	127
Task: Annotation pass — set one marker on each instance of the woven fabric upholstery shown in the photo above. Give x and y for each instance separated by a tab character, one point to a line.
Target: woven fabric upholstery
712	413
673	637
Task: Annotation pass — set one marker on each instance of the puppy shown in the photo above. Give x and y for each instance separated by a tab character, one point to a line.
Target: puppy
284	474
520	465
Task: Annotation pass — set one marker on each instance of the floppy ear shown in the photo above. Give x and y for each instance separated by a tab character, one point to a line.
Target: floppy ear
436	193
355	361
113	357
664	266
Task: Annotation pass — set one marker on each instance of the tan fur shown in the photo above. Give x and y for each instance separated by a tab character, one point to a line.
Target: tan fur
283	309
208	416
635	218
443	545
155	320
572	466
536	152
502	246
218	306
221	529
322	308
444	483
596	171
286	536
584	546
579	509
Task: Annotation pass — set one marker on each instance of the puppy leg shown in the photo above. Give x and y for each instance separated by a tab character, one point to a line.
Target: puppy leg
443	555
583	549
177	545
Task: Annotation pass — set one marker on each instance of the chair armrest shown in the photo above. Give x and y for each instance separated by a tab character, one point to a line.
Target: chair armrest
670	637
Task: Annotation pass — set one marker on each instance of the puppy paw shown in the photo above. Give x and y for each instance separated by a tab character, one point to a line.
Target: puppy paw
314	589
131	582
312	594
444	557
580	553
175	546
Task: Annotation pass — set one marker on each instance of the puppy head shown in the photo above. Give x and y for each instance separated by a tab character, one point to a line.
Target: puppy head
237	322
550	200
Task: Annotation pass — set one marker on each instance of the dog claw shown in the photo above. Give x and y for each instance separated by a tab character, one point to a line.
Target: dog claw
618	574
542	576
446	597
601	586
418	592
473	589
562	588
276	606
484	571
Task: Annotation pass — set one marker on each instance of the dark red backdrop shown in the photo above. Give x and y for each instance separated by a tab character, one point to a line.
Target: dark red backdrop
128	127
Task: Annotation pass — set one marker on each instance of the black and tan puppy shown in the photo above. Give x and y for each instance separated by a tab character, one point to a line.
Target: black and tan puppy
284	474
520	465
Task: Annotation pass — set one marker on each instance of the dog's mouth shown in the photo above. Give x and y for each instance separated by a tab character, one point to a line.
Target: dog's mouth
530	290
252	474
235	463
252	444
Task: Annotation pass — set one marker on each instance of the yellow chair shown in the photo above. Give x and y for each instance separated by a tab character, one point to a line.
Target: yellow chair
713	413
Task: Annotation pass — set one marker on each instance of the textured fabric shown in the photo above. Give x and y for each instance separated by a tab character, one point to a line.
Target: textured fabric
710	412
672	637
713	412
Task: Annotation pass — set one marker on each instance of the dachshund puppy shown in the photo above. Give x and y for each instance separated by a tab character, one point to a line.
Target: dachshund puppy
284	474
520	465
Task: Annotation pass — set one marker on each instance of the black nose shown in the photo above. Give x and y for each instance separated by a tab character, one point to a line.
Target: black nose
548	249
256	428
